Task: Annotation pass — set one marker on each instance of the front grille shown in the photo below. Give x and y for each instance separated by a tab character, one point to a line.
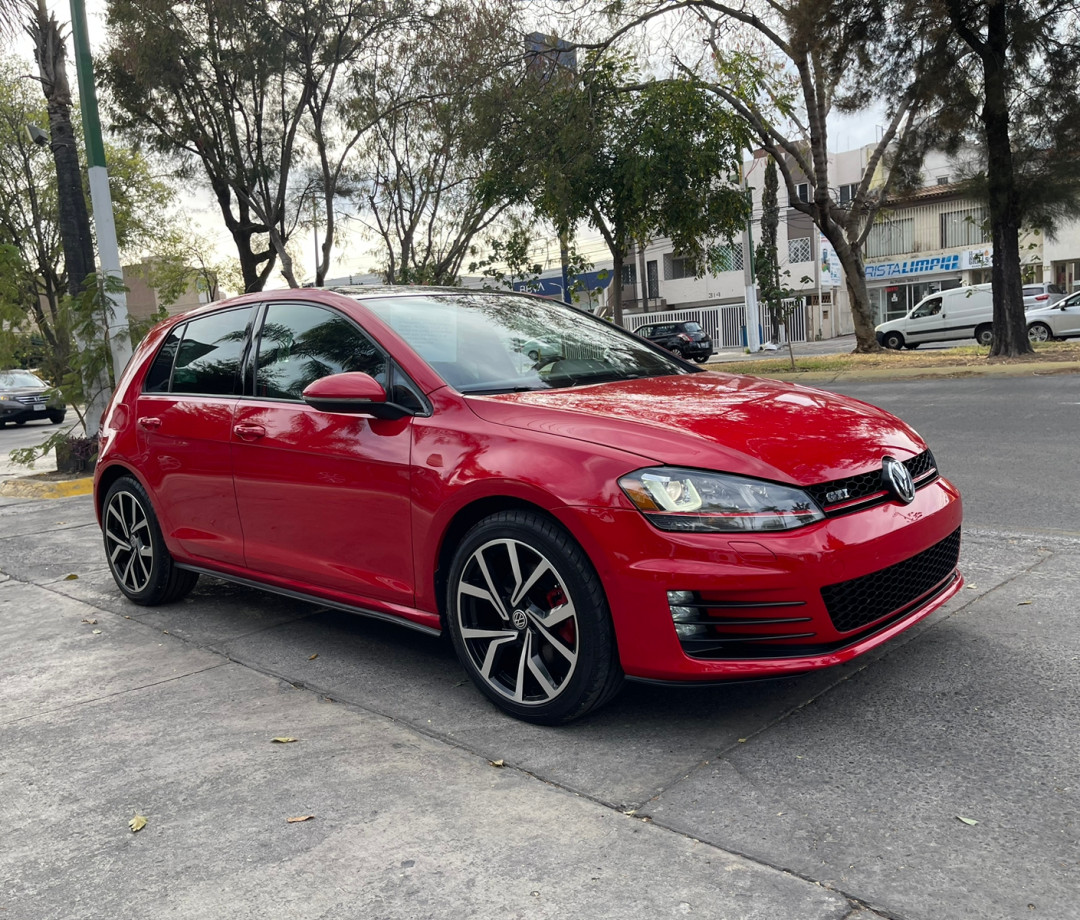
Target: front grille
861	601
867	488
28	400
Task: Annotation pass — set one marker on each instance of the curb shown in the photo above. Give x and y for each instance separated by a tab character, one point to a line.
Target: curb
1024	369
39	488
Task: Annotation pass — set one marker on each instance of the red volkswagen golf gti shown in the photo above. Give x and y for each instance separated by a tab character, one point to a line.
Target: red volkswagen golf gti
604	511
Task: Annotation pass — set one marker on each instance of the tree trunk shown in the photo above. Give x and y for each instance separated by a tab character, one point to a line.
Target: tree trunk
74	219
855	280
1010	327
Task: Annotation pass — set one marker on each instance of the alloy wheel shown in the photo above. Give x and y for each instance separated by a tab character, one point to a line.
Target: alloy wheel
517	622
128	542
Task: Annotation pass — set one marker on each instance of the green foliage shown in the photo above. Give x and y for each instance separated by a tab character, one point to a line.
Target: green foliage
509	259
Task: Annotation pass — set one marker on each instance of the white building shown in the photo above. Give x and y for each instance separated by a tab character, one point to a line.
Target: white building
932	240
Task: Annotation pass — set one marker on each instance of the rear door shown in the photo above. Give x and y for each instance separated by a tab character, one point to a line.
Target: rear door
323	497
184	426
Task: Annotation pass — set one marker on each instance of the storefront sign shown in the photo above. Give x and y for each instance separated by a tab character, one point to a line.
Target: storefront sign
949	263
977	258
830	264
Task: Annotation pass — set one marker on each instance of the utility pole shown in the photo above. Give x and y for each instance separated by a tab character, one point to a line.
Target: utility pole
753	335
101	201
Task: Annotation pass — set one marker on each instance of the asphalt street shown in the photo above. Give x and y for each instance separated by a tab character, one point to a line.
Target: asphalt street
938	778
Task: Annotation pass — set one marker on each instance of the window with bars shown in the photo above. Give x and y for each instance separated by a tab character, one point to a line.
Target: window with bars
629	273
728	258
967	227
890	238
798	249
847	193
676	267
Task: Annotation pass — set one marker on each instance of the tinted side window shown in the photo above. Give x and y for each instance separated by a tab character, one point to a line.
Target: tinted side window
301	342
211	353
157	378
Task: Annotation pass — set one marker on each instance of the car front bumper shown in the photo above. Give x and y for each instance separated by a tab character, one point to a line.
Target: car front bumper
774	603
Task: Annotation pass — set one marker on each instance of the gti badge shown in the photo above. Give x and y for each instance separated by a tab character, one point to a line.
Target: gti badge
897	479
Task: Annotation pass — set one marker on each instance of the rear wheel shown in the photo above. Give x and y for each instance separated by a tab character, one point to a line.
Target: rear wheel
1039	332
140	562
701	359
893	340
529	620
984	334
57	416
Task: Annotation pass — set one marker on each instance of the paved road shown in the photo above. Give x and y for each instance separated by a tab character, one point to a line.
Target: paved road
1012	444
837	796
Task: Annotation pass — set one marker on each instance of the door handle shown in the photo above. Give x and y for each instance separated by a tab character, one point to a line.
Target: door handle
249	432
149	423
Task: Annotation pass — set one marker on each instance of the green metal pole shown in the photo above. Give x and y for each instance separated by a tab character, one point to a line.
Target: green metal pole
100	196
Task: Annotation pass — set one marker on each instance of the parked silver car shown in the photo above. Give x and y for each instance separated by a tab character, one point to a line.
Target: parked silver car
1061	321
1042	294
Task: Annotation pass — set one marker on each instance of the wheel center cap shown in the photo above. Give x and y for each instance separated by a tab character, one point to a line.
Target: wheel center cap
519	619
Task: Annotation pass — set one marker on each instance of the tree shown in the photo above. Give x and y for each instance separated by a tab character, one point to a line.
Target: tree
1014	77
443	97
783	67
30	213
634	160
236	88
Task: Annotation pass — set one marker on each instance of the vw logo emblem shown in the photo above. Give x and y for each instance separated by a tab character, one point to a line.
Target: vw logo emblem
897	479
520	620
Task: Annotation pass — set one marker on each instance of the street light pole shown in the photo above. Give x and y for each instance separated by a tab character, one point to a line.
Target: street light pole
100	197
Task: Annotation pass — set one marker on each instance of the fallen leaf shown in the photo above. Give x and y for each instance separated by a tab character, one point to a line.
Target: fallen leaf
137	824
313	657
970	822
299	818
96	632
1024	604
497	763
90	621
71	577
284	739
742	741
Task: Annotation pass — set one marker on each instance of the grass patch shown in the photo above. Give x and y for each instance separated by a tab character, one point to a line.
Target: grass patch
964	356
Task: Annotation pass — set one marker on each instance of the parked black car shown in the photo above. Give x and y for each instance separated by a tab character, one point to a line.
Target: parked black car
687	340
24	397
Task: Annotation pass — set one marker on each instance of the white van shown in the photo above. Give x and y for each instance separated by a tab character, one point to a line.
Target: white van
957	313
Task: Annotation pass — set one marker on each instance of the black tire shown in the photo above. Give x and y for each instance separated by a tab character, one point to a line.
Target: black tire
893	340
57	416
533	355
138	558
701	359
548	656
1040	332
20	423
984	334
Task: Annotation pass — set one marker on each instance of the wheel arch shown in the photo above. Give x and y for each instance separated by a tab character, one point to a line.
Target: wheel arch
474	512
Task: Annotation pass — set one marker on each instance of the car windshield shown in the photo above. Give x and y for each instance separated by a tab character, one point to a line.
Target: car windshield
12	380
501	343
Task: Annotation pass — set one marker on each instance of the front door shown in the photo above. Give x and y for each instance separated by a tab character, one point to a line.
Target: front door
324	497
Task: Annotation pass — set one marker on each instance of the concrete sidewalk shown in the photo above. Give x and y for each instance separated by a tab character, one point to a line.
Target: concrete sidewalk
836	796
105	716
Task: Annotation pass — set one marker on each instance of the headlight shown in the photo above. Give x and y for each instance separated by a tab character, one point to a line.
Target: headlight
700	502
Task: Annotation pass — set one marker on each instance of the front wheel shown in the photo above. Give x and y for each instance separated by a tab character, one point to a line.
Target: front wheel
984	334
56	416
893	340
529	620
1039	332
138	558
701	359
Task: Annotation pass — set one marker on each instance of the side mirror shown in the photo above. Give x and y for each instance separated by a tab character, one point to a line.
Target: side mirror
353	393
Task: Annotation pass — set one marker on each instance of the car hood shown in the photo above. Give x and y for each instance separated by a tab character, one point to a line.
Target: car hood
747	425
12	392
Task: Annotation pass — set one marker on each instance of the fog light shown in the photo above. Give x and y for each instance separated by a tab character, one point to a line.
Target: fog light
684	616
